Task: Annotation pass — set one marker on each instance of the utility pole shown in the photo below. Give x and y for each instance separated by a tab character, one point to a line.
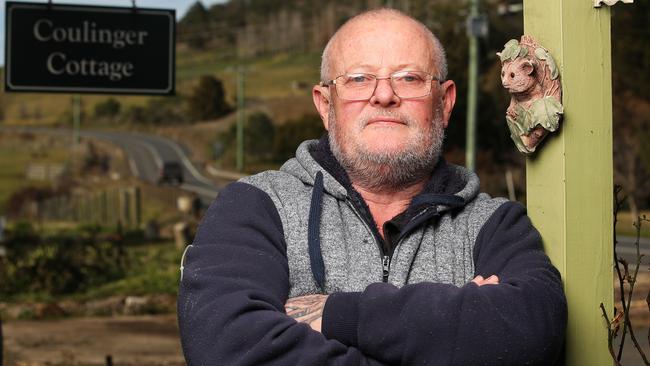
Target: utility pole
241	117
76	122
476	27
76	119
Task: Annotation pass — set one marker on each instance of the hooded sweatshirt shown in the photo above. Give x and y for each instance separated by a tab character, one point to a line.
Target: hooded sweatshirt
402	299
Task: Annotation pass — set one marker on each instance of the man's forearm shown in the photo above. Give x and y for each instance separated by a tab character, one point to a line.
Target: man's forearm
307	309
235	284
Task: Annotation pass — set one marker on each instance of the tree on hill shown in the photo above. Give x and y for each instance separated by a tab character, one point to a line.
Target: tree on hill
193	24
631	102
208	99
291	133
109	108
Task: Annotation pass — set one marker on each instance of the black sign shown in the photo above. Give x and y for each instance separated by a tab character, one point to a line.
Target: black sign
89	49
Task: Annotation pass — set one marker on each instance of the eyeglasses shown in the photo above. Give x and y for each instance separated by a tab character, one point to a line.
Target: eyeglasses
361	86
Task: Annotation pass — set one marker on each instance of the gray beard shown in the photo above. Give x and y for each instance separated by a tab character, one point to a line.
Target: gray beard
385	171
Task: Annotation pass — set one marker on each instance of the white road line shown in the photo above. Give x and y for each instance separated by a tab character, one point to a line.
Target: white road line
116	140
200	190
224	174
133	167
154	153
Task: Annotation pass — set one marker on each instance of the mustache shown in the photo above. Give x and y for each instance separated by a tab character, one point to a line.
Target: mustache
365	119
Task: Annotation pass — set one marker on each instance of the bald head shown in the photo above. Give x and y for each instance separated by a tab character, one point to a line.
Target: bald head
371	19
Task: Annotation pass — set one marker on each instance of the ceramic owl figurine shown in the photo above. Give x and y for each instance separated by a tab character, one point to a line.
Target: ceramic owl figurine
531	77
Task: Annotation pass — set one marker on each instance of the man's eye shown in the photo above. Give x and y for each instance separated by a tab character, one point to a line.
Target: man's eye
357	79
409	78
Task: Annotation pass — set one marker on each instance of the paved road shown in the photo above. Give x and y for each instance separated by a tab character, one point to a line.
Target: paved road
146	154
627	250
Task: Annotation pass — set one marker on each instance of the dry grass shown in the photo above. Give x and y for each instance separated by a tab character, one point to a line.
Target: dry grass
625	224
17	151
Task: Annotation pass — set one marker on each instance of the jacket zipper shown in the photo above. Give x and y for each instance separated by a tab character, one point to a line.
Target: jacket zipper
385	259
386	266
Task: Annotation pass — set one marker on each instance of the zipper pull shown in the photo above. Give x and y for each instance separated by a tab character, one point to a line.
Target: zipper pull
386	265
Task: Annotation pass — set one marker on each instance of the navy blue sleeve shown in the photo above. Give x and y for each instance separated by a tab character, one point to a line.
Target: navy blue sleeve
520	321
233	290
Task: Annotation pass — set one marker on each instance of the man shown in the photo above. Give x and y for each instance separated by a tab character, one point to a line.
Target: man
384	253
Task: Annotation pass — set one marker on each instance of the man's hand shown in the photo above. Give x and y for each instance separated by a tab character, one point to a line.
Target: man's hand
480	281
307	309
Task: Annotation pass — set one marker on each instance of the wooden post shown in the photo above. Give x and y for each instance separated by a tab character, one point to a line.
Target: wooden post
124	208
569	180
135	207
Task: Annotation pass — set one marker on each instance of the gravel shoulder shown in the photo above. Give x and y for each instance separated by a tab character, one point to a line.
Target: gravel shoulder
145	340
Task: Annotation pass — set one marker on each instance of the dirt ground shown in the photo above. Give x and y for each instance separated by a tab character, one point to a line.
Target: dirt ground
129	340
153	340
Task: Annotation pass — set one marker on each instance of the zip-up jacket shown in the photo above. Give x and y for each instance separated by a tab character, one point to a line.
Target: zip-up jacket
402	299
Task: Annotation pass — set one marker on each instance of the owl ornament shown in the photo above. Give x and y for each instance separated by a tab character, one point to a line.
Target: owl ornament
532	78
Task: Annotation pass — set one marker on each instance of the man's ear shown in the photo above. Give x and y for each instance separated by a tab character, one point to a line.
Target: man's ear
321	96
448	100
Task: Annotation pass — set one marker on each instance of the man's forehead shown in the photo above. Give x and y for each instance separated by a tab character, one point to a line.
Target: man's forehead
379	29
376	42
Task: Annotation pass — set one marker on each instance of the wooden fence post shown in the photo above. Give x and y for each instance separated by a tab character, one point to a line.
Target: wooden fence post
135	207
569	180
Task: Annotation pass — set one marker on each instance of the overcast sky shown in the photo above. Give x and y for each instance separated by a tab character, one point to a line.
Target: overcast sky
181	7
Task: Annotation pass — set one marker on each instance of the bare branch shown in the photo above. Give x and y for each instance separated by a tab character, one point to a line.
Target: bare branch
610	336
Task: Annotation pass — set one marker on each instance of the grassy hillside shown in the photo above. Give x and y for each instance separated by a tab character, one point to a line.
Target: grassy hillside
17	152
269	79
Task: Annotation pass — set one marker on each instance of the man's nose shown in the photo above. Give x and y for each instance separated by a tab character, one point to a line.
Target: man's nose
384	95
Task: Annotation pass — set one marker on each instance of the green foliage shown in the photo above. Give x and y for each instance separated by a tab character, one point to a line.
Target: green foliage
259	133
631	48
266	143
208	99
160	111
290	134
152	269
194	23
60	264
109	108
258	138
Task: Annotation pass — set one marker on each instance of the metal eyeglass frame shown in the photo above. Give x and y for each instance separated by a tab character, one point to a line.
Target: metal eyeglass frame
330	82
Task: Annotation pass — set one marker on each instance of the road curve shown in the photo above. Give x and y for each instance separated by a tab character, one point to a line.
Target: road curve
146	155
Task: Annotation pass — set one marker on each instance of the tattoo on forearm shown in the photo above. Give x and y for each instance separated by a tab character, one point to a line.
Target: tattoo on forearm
306	309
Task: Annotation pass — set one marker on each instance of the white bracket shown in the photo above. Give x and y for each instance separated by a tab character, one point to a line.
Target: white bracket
599	3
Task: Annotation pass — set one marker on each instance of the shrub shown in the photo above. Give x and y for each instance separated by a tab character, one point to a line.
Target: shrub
60	264
289	135
208	99
109	108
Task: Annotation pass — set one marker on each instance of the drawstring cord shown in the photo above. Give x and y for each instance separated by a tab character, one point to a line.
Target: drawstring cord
313	233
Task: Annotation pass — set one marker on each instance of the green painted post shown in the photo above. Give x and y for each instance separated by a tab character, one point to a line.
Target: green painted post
241	116
569	180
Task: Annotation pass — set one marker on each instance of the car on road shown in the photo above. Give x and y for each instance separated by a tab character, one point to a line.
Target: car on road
171	172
